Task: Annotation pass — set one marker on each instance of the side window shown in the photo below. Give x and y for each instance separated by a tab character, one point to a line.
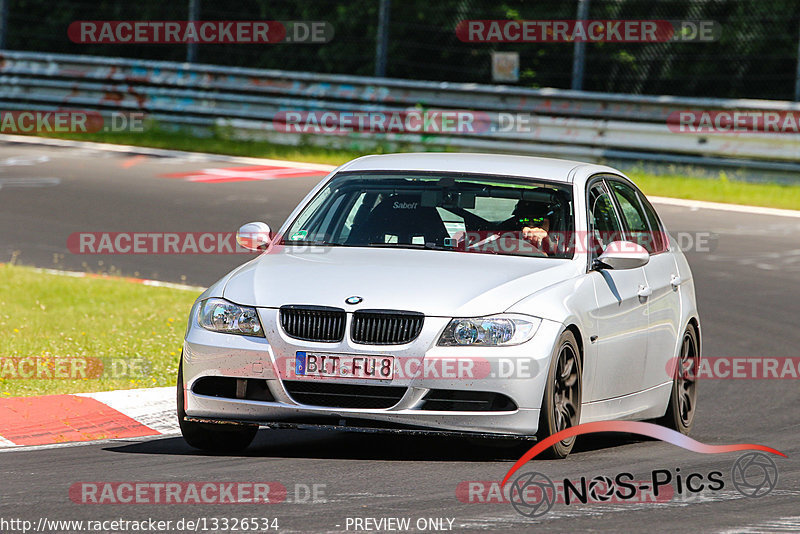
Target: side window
634	215
604	226
660	239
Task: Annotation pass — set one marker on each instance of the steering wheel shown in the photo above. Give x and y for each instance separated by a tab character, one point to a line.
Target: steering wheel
498	242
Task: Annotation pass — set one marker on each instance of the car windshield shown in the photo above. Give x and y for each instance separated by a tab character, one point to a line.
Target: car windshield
474	213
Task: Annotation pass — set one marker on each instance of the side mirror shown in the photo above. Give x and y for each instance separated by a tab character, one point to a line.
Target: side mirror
622	255
254	235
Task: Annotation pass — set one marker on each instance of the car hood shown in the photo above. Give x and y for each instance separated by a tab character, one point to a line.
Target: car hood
436	283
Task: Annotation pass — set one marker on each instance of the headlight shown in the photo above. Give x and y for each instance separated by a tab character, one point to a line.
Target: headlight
219	315
489	331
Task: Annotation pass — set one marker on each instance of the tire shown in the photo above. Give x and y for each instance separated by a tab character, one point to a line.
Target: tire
561	404
210	437
683	398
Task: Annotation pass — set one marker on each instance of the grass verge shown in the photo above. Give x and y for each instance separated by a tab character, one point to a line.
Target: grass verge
719	189
120	334
714	189
218	144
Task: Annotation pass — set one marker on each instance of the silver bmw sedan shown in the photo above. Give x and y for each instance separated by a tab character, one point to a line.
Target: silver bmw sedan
462	294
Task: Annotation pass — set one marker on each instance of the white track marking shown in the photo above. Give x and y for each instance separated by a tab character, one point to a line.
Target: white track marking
79	443
153	407
5	443
202	156
28	182
702	204
15	161
783	524
154	283
160	152
157	283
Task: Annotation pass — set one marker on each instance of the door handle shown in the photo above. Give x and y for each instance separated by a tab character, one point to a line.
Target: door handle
675	281
645	291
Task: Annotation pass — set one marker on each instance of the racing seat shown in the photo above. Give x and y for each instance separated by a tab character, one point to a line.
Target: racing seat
401	216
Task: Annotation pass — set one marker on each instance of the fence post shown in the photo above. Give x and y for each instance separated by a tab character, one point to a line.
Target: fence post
579	55
797	74
194	14
382	38
3	22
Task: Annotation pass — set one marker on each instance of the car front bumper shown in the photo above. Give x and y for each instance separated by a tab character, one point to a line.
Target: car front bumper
517	372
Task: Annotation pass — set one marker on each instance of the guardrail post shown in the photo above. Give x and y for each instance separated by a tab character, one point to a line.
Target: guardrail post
382	38
579	56
797	74
194	14
3	22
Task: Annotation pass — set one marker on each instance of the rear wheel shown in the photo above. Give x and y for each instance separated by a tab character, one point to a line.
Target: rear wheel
211	437
683	399
561	405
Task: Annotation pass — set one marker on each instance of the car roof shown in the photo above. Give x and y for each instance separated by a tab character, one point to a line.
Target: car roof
498	164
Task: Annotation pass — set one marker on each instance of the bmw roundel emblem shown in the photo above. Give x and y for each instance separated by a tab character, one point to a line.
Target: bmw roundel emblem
353	300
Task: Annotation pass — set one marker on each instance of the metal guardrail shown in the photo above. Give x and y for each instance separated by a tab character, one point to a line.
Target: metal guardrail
246	102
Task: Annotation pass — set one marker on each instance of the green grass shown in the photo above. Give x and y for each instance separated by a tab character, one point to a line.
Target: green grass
55	318
218	144
715	189
720	189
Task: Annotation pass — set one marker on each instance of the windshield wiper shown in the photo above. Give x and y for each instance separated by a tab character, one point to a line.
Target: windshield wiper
308	242
421	246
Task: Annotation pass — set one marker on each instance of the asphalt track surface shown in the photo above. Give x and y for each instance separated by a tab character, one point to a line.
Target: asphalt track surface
747	286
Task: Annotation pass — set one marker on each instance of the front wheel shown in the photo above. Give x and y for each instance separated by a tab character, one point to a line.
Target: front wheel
683	399
204	436
561	405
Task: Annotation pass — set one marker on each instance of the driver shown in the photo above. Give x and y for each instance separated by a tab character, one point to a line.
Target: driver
533	220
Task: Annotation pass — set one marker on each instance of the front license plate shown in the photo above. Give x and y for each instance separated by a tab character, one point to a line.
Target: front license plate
344	365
